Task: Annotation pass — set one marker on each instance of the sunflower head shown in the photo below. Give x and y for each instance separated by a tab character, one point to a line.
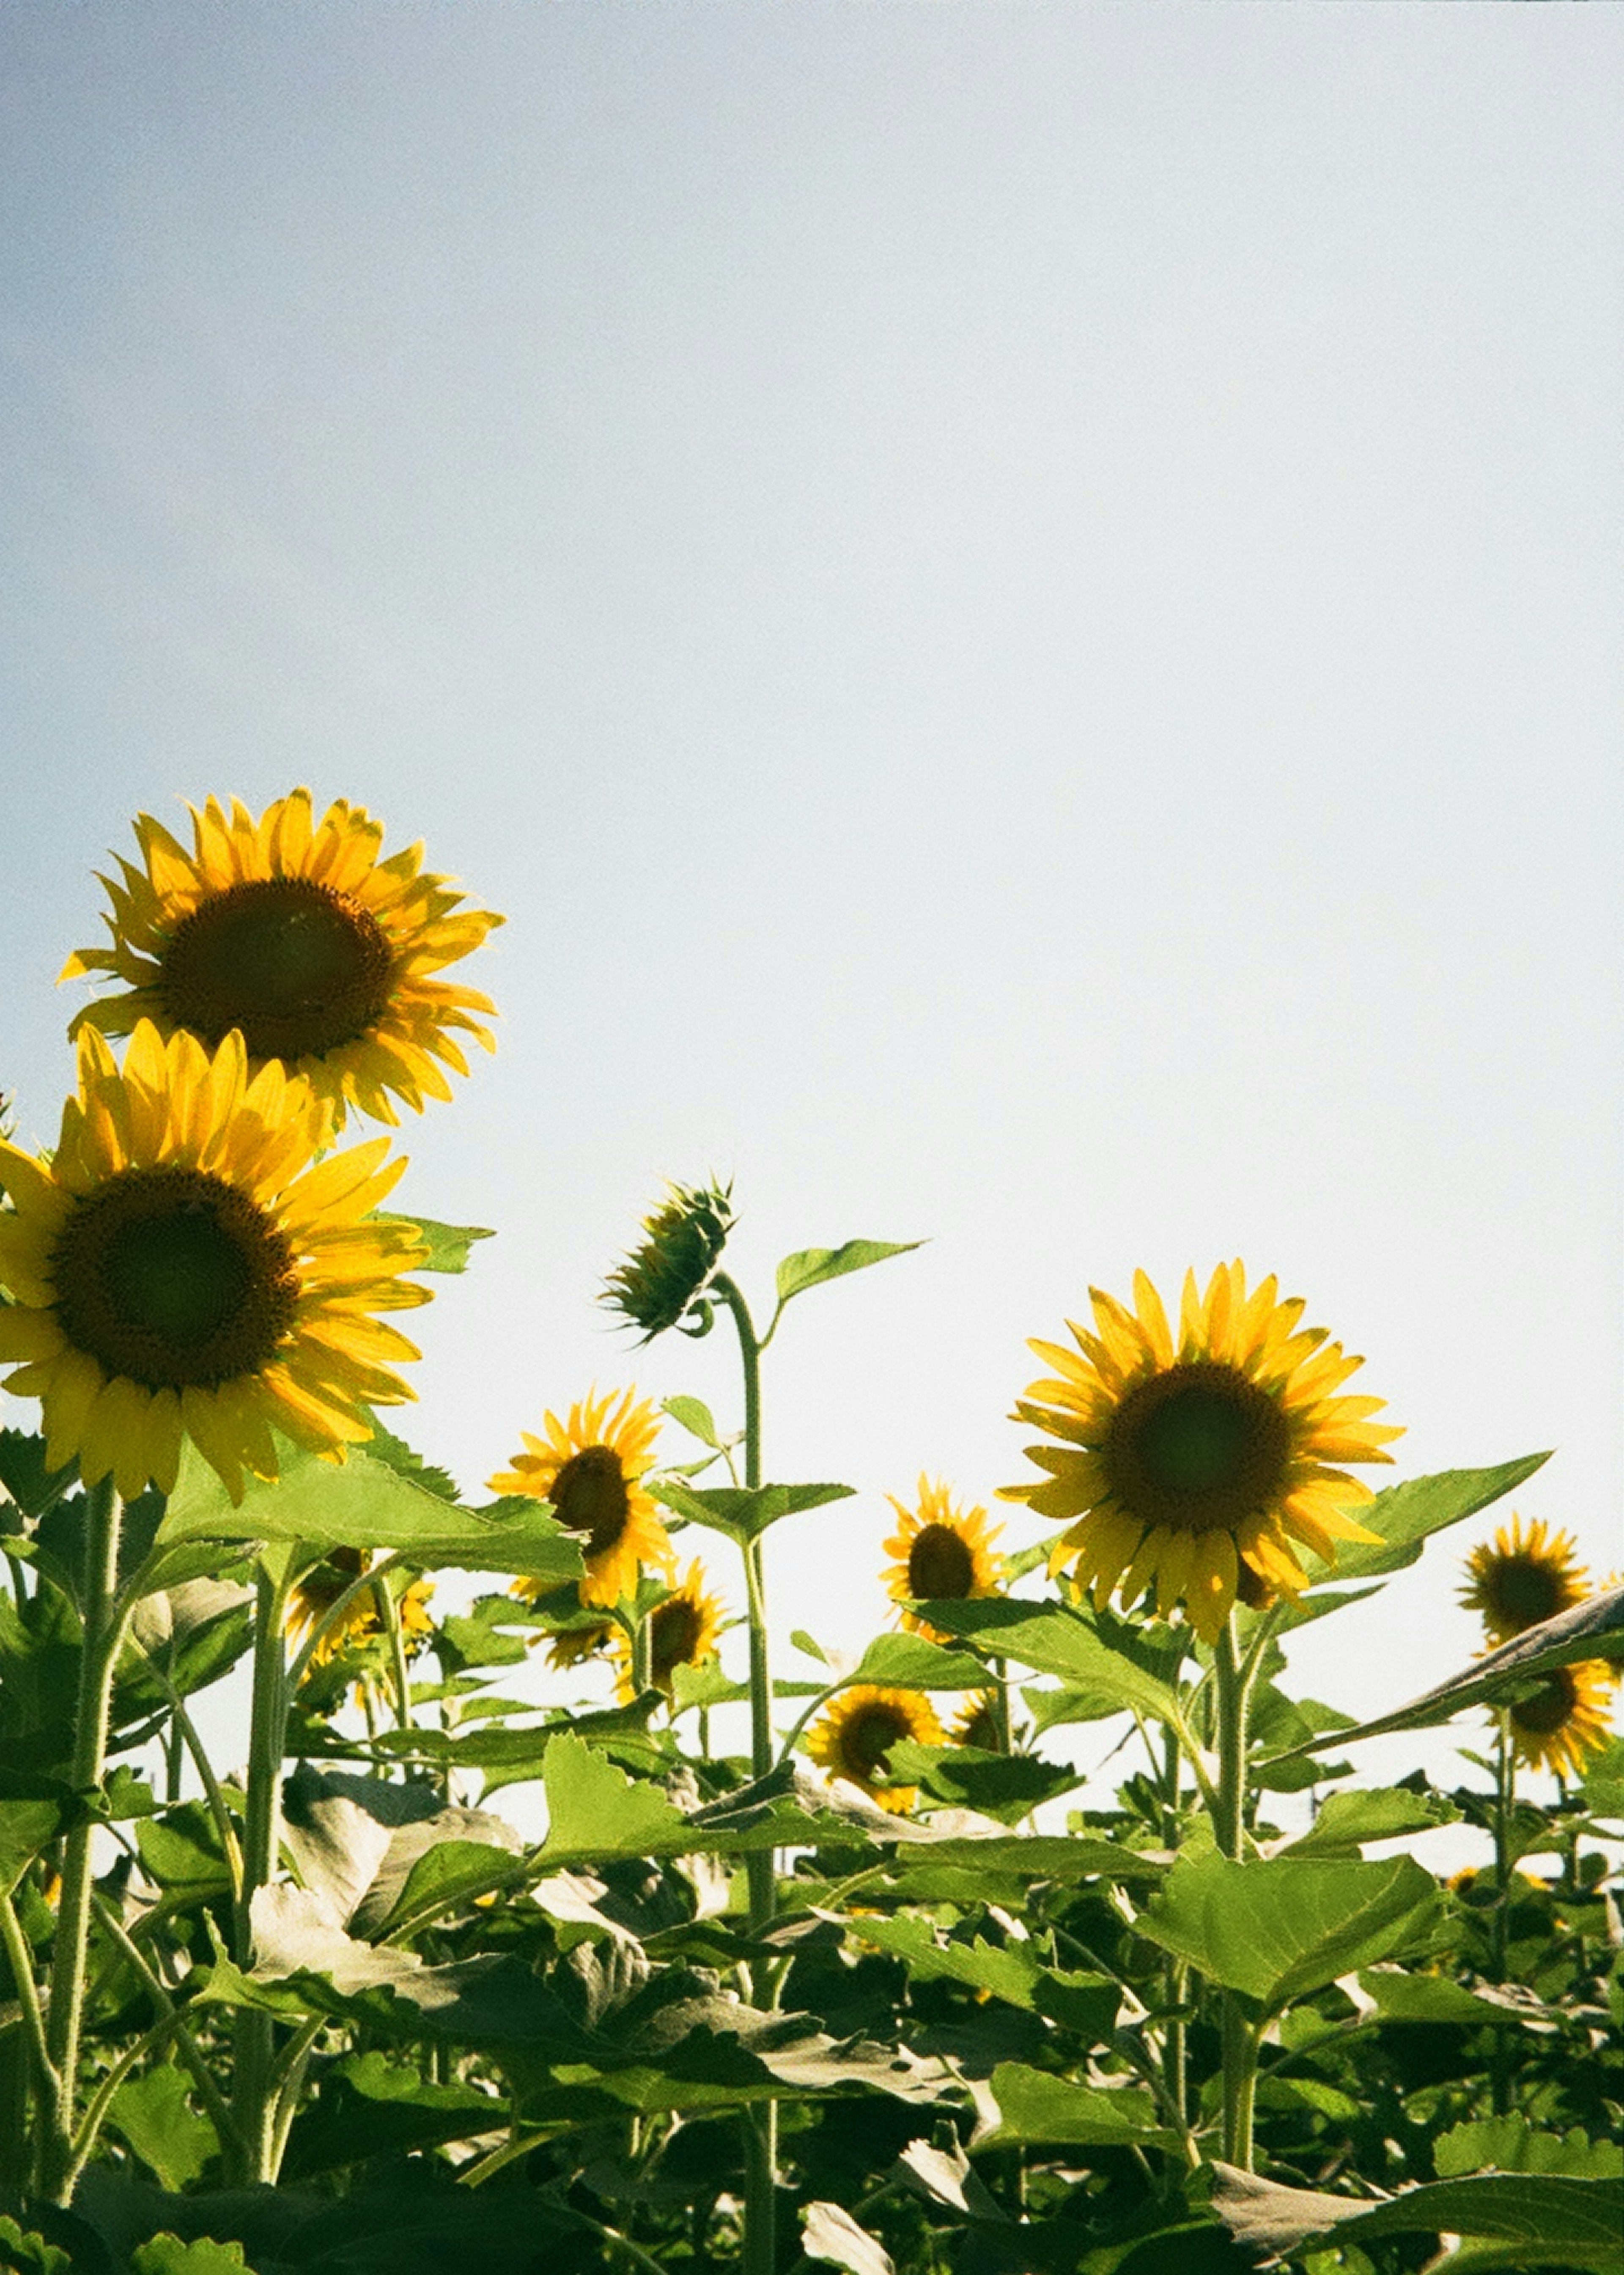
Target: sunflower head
1182	1460
362	1621
859	1728
591	1469
683	1628
296	934
570	1647
183	1267
662	1280
1520	1578
944	1554
976	1723
1566	1716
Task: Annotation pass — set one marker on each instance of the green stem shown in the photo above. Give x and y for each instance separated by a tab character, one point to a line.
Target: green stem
254	2034
20	1959
1231	1697
389	1611
186	2045
1504	1805
642	1655
185	1731
102	1626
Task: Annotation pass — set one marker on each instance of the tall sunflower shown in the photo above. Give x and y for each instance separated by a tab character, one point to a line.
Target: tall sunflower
295	933
591	1469
1185	1462
1565	1719
945	1554
179	1269
683	1628
857	1730
1519	1579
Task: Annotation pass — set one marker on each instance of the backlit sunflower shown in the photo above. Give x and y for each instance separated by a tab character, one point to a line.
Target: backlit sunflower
1183	1462
570	1647
1518	1580
857	1730
591	1469
976	1723
683	1628
945	1554
1566	1718
319	1589
295	933
178	1269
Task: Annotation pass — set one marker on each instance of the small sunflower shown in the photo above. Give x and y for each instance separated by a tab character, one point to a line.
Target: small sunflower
945	1554
179	1269
1565	1719
296	934
857	1730
568	1647
1519	1580
665	1275
683	1628
319	1589
1183	1462
590	1468
976	1723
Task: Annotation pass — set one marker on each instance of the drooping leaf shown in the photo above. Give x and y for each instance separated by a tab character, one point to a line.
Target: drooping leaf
1277	1928
447	1246
810	1267
154	2113
370	2106
1035	2107
1011	1971
911	1662
1407	1515
1401	1995
834	2237
744	1514
1548	2219
1346	1820
1005	1786
1056	1640
180	1850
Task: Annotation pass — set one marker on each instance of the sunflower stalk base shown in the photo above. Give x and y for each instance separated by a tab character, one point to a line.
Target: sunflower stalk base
253	2063
1232	1696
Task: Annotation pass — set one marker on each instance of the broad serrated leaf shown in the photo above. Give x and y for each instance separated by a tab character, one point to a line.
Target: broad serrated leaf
810	1267
1005	1786
370	2106
1280	1927
1056	1640
154	2115
1346	1820
743	1512
167	2254
594	1809
1037	2107
1511	2144
1604	1780
1406	1516
911	1662
32	1811
1551	2220
1011	1971
446	1246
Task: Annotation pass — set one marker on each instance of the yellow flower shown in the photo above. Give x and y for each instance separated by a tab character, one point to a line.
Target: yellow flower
1566	1718
945	1554
179	1269
294	932
1185	1462
858	1729
1519	1580
976	1724
683	1628
572	1646
319	1589
591	1469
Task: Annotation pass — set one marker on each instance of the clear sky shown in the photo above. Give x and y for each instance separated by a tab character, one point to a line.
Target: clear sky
1019	604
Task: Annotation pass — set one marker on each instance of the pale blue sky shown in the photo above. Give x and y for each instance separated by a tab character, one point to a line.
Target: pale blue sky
1019	603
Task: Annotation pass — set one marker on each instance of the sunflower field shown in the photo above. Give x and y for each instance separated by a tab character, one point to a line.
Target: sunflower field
873	1992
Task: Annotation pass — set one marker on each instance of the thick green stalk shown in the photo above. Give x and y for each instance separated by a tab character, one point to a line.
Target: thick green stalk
103	1628
1232	1694
1504	1806
253	2035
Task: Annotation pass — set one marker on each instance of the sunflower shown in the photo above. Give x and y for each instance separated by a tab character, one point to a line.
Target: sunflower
1566	1718
1185	1462
568	1647
976	1723
945	1554
665	1276
859	1730
1517	1581
682	1631
294	932
318	1590
591	1469
178	1269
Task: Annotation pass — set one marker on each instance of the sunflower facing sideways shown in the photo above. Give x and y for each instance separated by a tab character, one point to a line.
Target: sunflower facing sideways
1566	1718
1183	1462
857	1730
318	1590
683	1628
1521	1579
180	1269
294	932
944	1555
591	1469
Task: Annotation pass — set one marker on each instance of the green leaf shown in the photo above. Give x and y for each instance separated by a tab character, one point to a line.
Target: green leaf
743	1512
34	1810
180	1850
384	1445
1511	2144
810	1644
1056	1640
447	1244
694	1416
155	2114
26	2249
1279	1927
31	1486
1011	1971
810	1267
834	2237
1037	2108
911	1662
1005	1786
371	2106
167	2254
1592	1630
1604	1780
1399	1995
594	1809
1406	1516
364	1502
1346	1820
1548	2219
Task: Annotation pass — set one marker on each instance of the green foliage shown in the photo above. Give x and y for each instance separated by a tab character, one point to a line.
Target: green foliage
446	1246
742	1514
154	2113
810	1267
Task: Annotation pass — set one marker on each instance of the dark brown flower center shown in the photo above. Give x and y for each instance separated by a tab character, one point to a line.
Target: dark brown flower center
297	967
869	1736
1542	1715
589	1495
1199	1448
982	1730
941	1564
675	1627
1523	1591
174	1278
